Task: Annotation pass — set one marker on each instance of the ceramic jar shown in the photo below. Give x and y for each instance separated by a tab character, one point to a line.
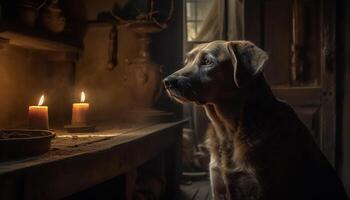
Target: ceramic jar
28	11
52	18
143	77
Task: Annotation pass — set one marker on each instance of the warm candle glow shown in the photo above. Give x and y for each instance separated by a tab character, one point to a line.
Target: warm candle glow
38	117
82	97
41	101
80	111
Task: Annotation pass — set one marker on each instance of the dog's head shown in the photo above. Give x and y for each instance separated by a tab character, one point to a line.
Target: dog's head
215	71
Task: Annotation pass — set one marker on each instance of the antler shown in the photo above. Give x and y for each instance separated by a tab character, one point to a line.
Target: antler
150	14
119	19
171	11
170	15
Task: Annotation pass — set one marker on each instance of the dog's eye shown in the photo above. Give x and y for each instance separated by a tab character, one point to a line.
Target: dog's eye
207	61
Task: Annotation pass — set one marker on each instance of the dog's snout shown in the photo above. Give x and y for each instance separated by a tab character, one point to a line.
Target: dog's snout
170	82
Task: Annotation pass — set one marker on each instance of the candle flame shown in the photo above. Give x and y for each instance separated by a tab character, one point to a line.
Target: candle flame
82	97
41	101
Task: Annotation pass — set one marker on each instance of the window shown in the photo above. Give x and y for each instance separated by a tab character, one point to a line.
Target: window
196	12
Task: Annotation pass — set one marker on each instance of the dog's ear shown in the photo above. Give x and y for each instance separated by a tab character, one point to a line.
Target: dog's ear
251	57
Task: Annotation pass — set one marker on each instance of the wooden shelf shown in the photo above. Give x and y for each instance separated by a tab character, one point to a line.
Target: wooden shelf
38	39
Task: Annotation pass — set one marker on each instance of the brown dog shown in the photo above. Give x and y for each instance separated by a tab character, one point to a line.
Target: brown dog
259	148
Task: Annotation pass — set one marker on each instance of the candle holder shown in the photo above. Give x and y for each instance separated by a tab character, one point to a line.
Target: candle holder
83	128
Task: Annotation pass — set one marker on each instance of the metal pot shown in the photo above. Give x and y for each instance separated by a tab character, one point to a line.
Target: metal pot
28	11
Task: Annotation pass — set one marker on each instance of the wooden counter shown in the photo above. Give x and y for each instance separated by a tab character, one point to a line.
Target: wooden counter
79	161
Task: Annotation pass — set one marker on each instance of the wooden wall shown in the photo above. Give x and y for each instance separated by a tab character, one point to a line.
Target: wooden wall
26	74
299	37
107	90
344	92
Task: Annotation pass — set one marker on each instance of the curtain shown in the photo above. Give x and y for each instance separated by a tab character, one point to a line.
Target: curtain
223	21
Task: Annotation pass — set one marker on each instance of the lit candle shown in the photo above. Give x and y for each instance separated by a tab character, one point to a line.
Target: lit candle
38	116
80	111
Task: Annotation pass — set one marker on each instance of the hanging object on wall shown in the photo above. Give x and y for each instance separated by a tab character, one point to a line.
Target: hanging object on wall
52	18
142	75
112	61
129	15
28	11
113	48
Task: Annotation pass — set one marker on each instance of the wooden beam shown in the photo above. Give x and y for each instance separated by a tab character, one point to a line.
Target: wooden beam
3	42
293	94
33	42
38	39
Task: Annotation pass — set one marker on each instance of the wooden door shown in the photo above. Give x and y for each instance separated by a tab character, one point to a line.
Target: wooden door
299	36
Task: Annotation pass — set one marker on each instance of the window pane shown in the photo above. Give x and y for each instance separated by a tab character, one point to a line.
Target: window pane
198	26
191	10
191	31
196	13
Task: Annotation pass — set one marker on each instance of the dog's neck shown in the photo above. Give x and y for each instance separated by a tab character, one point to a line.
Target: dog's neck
231	113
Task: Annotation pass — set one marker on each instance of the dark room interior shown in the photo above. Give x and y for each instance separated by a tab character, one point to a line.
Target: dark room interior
173	99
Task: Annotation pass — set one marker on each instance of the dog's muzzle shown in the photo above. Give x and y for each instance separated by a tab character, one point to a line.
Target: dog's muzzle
173	85
178	86
170	82
183	88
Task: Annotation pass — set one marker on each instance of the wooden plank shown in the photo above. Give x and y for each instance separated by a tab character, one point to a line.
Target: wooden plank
3	42
33	42
117	141
95	163
277	40
299	96
254	22
173	160
328	76
38	39
130	180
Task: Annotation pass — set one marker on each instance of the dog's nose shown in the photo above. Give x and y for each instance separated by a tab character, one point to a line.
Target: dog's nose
170	82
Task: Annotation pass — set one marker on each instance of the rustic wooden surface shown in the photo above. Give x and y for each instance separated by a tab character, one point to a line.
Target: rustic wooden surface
328	79
309	84
79	161
197	190
69	144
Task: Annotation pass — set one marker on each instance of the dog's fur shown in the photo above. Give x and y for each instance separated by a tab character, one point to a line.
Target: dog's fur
259	148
